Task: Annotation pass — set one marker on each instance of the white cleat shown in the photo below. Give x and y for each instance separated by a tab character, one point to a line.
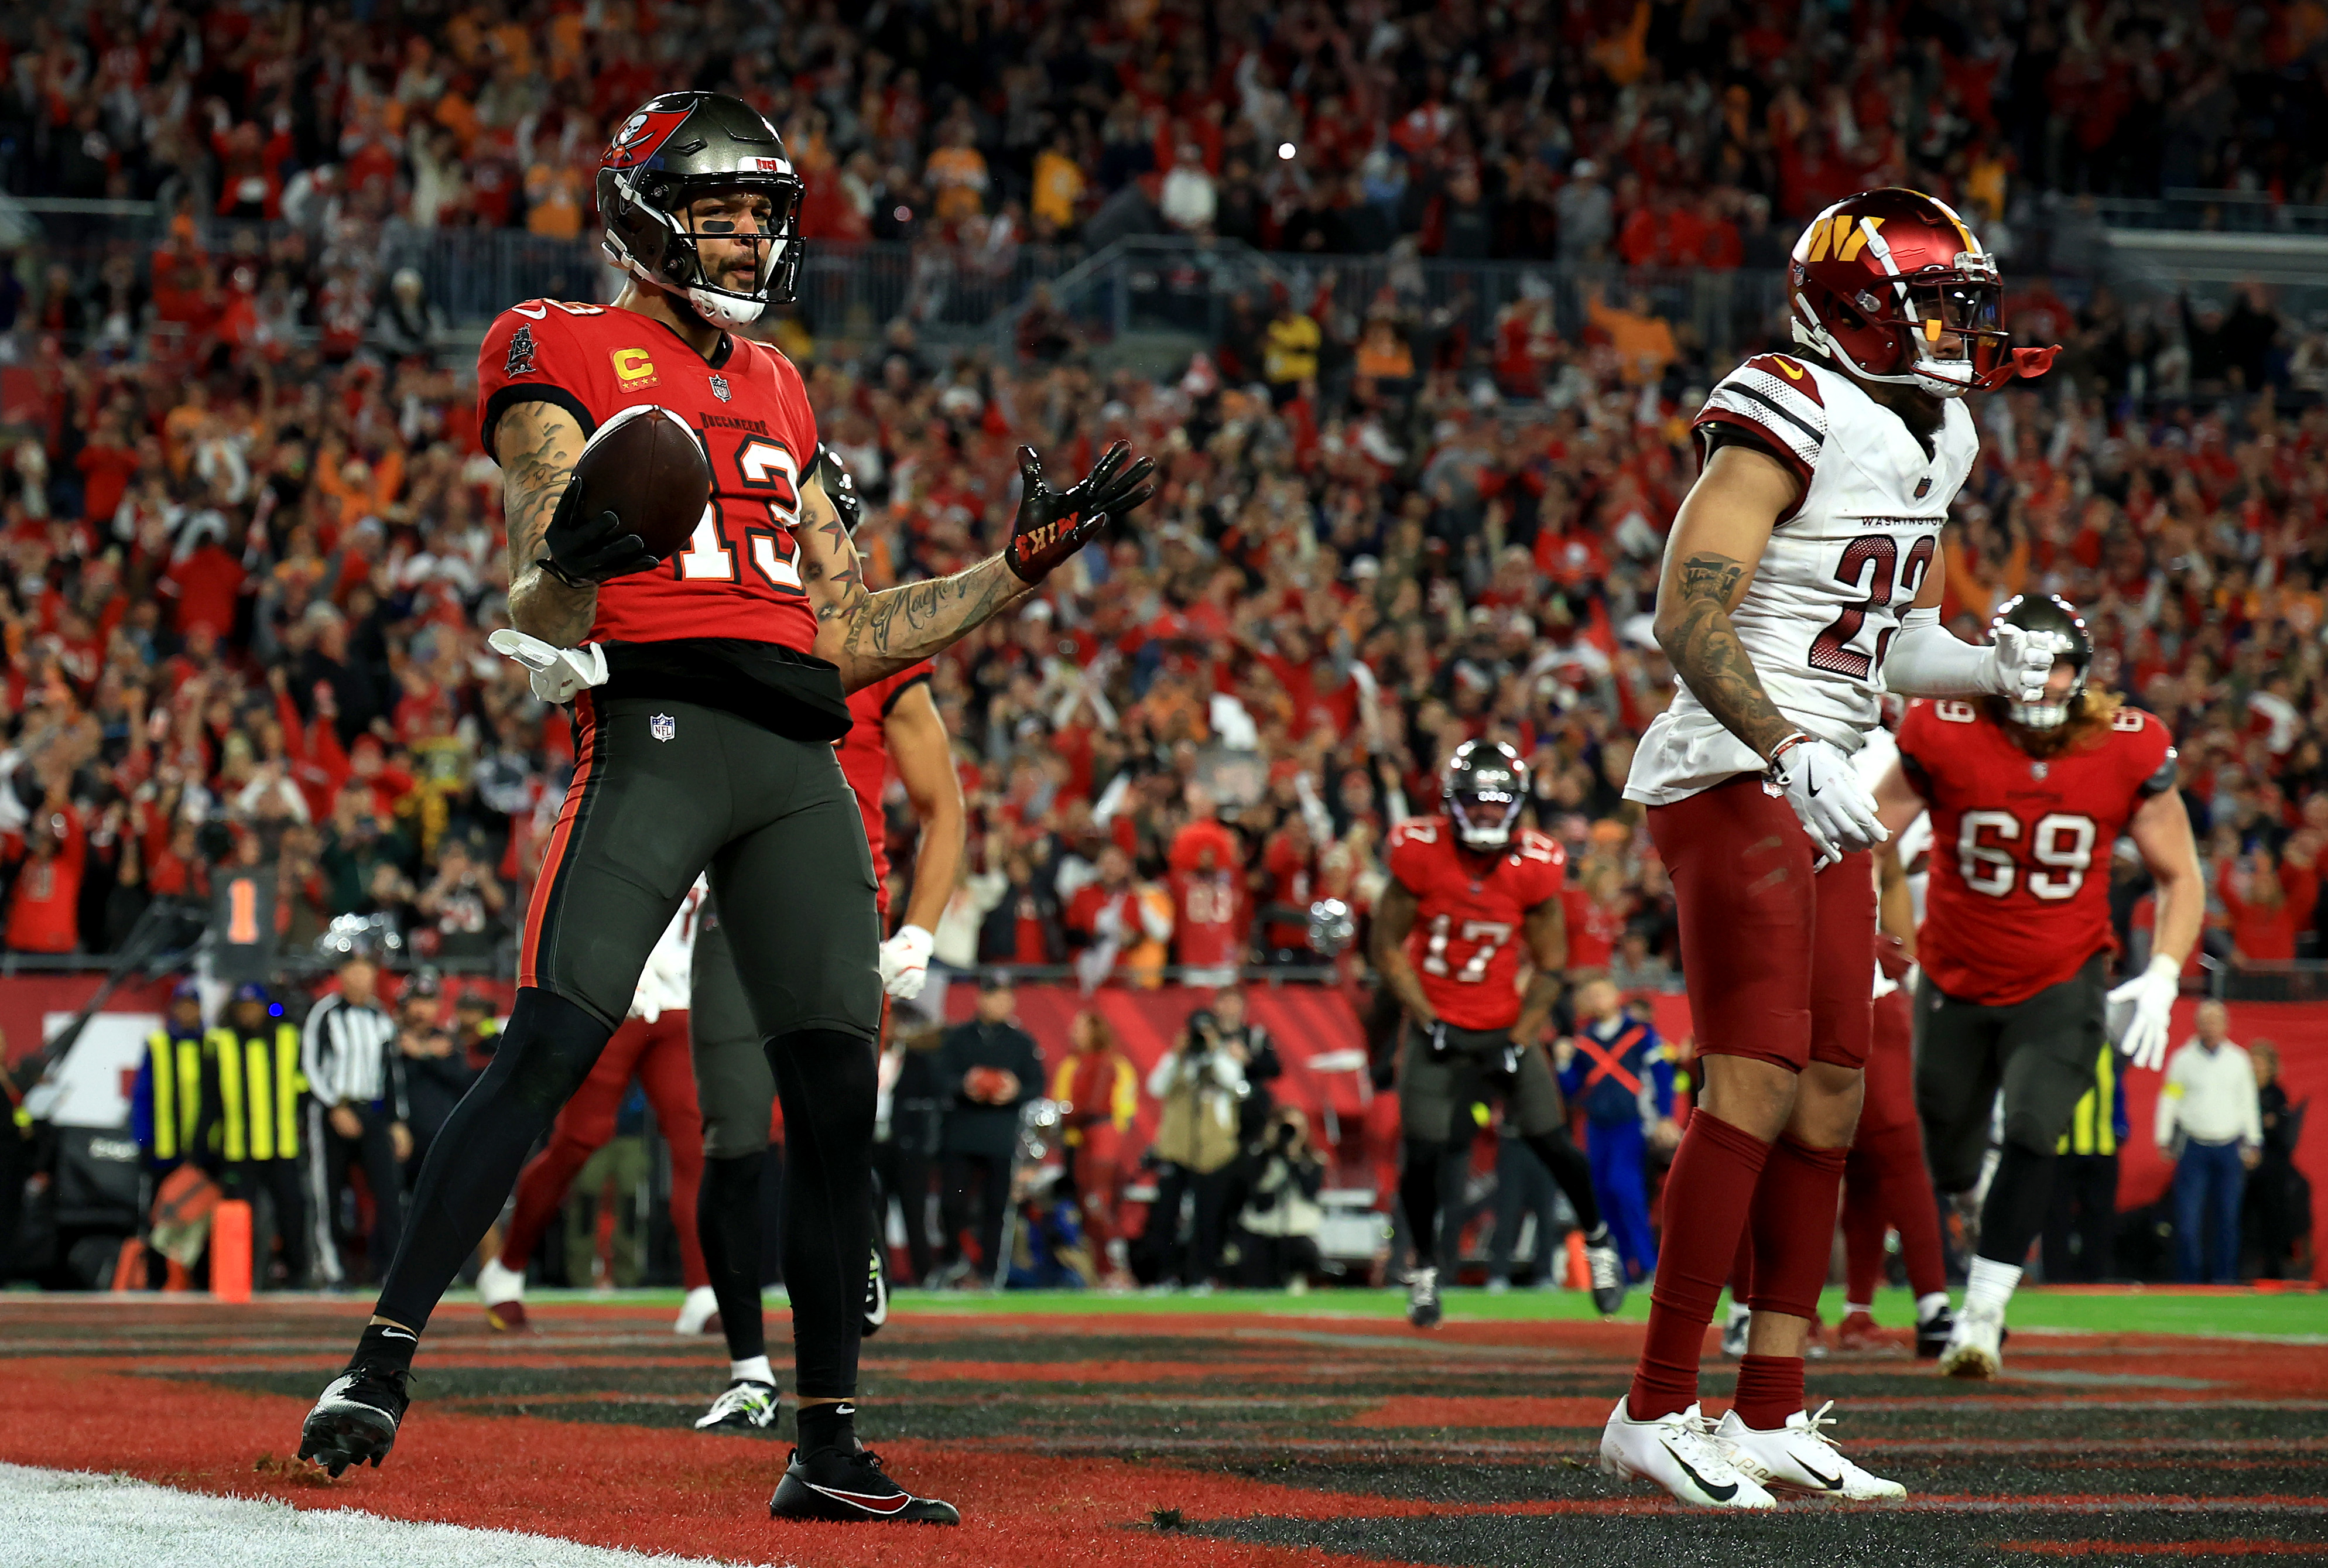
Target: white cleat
503	1290
1975	1346
1422	1298
1799	1457
747	1406
1681	1454
698	1312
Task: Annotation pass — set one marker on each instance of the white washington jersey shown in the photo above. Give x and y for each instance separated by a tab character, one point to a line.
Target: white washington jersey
664	984
1841	568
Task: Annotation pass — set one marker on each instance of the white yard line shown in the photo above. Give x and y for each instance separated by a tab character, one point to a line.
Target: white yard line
78	1519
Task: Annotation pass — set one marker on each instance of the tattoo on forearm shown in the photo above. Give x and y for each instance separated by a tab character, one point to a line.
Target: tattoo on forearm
896	627
1705	652
532	481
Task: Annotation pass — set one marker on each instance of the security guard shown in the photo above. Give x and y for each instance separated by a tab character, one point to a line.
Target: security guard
2083	1225
166	1104
254	1062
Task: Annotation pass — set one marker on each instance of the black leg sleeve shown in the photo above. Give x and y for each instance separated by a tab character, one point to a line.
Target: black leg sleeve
2013	1213
549	1048
1418	1194
728	1223
1574	1172
825	1079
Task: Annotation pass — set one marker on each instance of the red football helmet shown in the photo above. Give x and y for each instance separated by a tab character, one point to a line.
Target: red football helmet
1878	278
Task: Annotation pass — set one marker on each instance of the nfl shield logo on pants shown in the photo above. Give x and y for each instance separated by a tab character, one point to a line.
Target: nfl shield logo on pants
662	727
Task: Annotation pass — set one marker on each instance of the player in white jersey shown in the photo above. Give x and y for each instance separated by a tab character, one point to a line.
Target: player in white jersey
651	1046
1802	578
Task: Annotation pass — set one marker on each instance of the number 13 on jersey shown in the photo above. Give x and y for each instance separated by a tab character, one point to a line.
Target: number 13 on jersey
767	475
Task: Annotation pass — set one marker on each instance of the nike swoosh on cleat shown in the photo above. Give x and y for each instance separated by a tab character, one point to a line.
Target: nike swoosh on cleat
866	1500
1719	1494
1835	1485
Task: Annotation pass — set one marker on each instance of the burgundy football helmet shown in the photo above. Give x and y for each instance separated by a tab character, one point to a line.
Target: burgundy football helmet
1878	278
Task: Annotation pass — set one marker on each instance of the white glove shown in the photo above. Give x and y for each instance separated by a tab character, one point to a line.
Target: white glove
905	962
1835	809
2021	662
558	673
2149	997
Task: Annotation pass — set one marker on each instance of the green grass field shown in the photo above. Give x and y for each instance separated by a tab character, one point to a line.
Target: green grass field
2300	1315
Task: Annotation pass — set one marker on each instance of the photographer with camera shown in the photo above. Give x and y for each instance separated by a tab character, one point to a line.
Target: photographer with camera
1201	1086
1281	1217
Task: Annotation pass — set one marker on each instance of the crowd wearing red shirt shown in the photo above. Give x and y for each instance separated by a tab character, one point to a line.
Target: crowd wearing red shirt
254	558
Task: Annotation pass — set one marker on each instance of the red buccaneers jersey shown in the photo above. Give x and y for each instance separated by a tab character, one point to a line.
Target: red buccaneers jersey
1466	940
2019	897
1208	919
865	760
740	575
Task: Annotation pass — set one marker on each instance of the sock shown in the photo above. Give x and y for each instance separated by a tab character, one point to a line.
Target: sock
1866	1306
752	1369
1931	1302
1990	1285
1706	1198
382	1346
828	1425
1793	1213
1769	1390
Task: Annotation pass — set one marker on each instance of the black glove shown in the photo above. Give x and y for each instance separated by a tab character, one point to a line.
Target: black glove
1053	524
1505	1073
584	551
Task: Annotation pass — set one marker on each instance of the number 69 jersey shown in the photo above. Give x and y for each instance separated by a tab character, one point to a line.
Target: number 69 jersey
1839	572
1467	939
2019	897
740	575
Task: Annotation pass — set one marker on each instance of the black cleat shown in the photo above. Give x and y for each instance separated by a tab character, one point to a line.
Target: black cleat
1933	1334
847	1488
876	1295
356	1419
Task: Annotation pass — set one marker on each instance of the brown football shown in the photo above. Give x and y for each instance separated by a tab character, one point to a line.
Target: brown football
647	467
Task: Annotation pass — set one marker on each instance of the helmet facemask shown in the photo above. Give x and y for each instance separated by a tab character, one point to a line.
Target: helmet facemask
1896	341
1485	786
659	245
2048	714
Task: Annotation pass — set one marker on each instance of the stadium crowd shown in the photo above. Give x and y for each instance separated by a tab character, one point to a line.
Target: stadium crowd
255	547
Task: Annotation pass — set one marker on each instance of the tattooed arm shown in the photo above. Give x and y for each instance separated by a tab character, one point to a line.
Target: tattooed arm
867	634
1717	542
538	445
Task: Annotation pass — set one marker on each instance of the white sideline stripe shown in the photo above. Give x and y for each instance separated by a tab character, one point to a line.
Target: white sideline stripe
80	1519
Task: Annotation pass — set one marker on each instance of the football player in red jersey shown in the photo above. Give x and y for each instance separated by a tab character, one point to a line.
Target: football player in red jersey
708	690
896	727
1467	890
2026	799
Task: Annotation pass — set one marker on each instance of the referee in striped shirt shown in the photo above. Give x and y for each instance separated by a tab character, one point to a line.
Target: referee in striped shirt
357	1116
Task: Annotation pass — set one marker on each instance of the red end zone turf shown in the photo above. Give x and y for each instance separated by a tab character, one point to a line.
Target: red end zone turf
1262	1440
